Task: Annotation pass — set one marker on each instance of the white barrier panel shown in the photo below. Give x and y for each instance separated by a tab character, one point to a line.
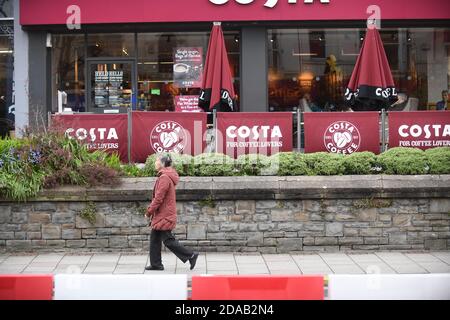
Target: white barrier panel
389	287
120	287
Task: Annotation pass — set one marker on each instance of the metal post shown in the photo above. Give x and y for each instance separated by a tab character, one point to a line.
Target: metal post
299	130
214	135
49	120
130	130
383	130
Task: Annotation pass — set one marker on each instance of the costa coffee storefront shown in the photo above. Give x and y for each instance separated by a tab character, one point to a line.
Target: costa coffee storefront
110	56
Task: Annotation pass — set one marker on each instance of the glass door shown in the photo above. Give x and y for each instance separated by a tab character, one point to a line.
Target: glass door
111	86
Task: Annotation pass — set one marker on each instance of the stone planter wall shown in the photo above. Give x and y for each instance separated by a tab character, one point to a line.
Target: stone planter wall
243	214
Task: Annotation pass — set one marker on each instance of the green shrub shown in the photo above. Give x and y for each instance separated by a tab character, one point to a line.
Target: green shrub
213	164
132	171
47	160
8	144
149	168
359	163
254	165
290	164
183	163
403	161
438	160
20	187
325	164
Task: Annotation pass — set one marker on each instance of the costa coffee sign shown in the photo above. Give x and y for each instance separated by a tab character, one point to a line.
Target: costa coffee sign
98	132
421	129
166	132
251	133
268	4
168	136
342	137
342	133
78	13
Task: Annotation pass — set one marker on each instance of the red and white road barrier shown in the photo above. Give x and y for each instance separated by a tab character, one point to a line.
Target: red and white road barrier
258	288
389	287
120	287
26	287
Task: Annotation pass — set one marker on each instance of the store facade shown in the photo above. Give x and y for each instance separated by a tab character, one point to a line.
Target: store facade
110	56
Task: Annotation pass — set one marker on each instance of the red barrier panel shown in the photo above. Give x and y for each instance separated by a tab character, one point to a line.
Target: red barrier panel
161	132
250	133
26	287
419	129
257	288
98	131
342	132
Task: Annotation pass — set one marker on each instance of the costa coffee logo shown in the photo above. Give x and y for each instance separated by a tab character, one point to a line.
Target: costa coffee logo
92	134
342	137
425	131
268	4
254	132
168	136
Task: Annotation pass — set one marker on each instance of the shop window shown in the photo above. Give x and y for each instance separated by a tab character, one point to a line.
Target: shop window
7	107
68	65
111	45
158	82
317	65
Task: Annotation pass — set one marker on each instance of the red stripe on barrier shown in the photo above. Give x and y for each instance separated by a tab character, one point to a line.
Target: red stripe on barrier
26	287
257	288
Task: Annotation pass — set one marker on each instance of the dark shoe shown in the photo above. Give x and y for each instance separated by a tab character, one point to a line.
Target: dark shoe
159	268
193	260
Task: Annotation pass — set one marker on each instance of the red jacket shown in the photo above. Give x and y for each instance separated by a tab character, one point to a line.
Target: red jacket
163	208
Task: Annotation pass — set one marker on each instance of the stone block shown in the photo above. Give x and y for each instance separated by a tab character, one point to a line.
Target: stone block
75	243
18	244
63	217
71	234
5	214
350	240
281	215
436	244
248	227
440	206
96	243
56	243
19	217
50	232
89	233
7	235
34	235
292	244
196	232
117	221
119	241
370	232
401	220
398	238
334	229
39	218
45	206
245	207
228	226
325	241
368	214
255	240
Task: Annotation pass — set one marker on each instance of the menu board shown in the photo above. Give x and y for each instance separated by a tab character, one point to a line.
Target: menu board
108	89
187	104
188	67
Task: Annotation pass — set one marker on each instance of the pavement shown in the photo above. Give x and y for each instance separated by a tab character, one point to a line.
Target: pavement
230	263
